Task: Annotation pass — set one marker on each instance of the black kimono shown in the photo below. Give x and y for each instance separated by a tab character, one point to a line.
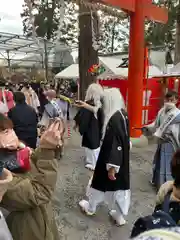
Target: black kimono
89	127
114	151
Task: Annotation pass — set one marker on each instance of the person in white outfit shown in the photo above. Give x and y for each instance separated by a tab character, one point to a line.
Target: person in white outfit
111	181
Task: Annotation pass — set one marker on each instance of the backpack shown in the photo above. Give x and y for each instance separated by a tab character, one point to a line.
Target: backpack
161	218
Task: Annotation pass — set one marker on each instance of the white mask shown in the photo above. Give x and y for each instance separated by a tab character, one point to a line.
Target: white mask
169	105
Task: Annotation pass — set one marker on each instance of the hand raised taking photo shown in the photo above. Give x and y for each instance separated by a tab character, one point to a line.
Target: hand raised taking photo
53	135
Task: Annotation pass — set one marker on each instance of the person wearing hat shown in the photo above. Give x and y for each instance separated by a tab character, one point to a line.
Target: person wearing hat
51	109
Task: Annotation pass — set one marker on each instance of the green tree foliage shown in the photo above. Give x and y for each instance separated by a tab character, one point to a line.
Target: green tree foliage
47	16
163	34
113	33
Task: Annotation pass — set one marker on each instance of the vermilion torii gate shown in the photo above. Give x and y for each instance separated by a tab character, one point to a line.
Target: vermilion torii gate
138	10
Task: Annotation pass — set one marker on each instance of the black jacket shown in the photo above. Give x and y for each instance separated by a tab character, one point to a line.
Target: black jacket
89	127
25	122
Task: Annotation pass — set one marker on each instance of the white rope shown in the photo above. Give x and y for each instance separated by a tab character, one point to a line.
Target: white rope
107	9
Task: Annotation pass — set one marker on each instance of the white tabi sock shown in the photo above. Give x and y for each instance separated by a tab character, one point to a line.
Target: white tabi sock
84	205
118	218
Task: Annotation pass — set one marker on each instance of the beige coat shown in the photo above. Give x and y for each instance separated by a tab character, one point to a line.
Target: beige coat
164	189
29	200
31	98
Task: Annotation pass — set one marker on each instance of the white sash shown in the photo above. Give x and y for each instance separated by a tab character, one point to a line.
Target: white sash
170	116
56	106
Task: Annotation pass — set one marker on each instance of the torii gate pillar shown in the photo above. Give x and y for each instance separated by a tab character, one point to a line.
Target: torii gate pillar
136	69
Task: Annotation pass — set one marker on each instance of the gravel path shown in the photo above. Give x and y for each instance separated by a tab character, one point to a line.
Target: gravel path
71	185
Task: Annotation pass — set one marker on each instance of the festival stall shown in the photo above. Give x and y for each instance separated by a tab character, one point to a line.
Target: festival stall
115	75
171	79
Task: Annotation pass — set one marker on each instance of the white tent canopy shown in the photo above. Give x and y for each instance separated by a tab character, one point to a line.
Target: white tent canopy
172	71
111	65
175	69
71	72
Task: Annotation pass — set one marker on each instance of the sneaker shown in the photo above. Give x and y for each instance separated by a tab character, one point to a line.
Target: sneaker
119	220
89	167
84	207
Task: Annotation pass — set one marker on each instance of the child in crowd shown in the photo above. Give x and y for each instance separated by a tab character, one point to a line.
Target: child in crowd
174	185
8	138
172	188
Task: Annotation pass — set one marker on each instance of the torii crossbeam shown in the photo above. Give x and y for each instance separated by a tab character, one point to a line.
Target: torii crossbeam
138	10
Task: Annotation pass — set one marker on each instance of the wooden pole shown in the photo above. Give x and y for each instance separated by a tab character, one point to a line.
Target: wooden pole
136	69
87	55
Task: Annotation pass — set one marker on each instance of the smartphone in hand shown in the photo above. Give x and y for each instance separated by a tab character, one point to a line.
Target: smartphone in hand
78	102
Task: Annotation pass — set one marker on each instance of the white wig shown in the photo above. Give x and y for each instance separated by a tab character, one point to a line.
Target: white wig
112	102
95	92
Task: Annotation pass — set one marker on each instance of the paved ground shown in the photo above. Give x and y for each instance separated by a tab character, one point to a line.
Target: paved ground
72	181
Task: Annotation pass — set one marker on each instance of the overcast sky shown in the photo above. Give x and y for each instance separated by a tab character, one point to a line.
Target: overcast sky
10	16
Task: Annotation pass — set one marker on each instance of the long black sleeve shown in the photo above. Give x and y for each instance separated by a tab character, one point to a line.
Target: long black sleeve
85	117
116	155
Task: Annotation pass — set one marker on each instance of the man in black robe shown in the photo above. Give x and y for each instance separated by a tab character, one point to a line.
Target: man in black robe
89	122
110	182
